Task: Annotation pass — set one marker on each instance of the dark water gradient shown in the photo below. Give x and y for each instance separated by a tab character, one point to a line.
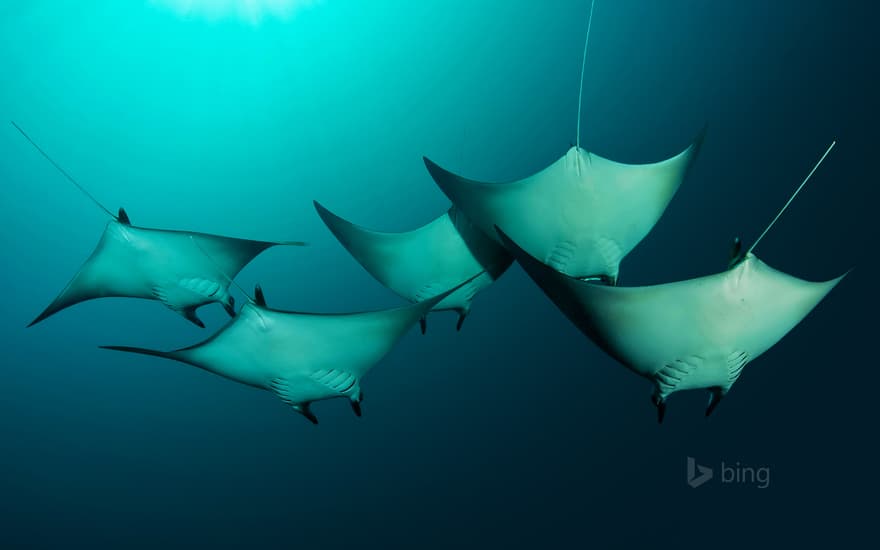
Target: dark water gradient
514	433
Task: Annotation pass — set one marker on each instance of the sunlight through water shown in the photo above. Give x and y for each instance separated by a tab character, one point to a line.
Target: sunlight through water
253	11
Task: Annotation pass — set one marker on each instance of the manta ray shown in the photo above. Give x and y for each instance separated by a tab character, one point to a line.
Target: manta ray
300	357
583	213
156	264
697	333
427	261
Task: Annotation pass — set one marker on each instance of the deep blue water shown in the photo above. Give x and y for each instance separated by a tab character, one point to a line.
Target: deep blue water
516	432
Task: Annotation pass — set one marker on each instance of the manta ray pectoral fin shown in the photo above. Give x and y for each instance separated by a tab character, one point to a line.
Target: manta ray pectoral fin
281	388
697	145
736	254
259	297
715	396
53	308
306	410
77	290
660	403
190	315
736	362
356	399
462	315
229	306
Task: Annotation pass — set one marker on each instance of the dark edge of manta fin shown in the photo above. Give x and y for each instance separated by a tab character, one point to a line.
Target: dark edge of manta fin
736	254
461	318
356	403
259	297
660	403
715	396
230	306
48	312
305	409
65	299
697	145
423	324
123	217
190	315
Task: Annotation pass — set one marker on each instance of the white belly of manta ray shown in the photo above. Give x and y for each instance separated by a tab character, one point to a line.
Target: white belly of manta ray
693	334
183	270
301	357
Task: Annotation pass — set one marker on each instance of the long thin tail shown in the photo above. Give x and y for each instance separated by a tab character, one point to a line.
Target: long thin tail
798	190
63	171
583	67
142	351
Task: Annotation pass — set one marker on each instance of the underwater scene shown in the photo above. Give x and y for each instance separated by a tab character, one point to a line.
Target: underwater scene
438	274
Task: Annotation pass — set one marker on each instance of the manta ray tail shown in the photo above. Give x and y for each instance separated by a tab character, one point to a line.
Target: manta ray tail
63	171
143	351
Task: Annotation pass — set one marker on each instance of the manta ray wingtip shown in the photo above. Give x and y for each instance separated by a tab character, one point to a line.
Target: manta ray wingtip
35	321
48	312
696	145
432	166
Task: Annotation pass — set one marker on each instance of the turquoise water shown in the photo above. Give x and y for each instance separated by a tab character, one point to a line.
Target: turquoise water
515	432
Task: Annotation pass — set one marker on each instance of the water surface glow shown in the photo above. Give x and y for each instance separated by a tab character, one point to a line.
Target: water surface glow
252	11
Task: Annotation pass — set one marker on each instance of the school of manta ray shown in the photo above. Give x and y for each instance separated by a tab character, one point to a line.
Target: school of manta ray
569	226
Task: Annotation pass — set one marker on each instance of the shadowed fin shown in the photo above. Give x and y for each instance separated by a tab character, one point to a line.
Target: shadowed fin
231	254
63	301
79	289
715	396
696	146
123	217
190	315
189	291
306	410
259	297
414	264
452	184
281	388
